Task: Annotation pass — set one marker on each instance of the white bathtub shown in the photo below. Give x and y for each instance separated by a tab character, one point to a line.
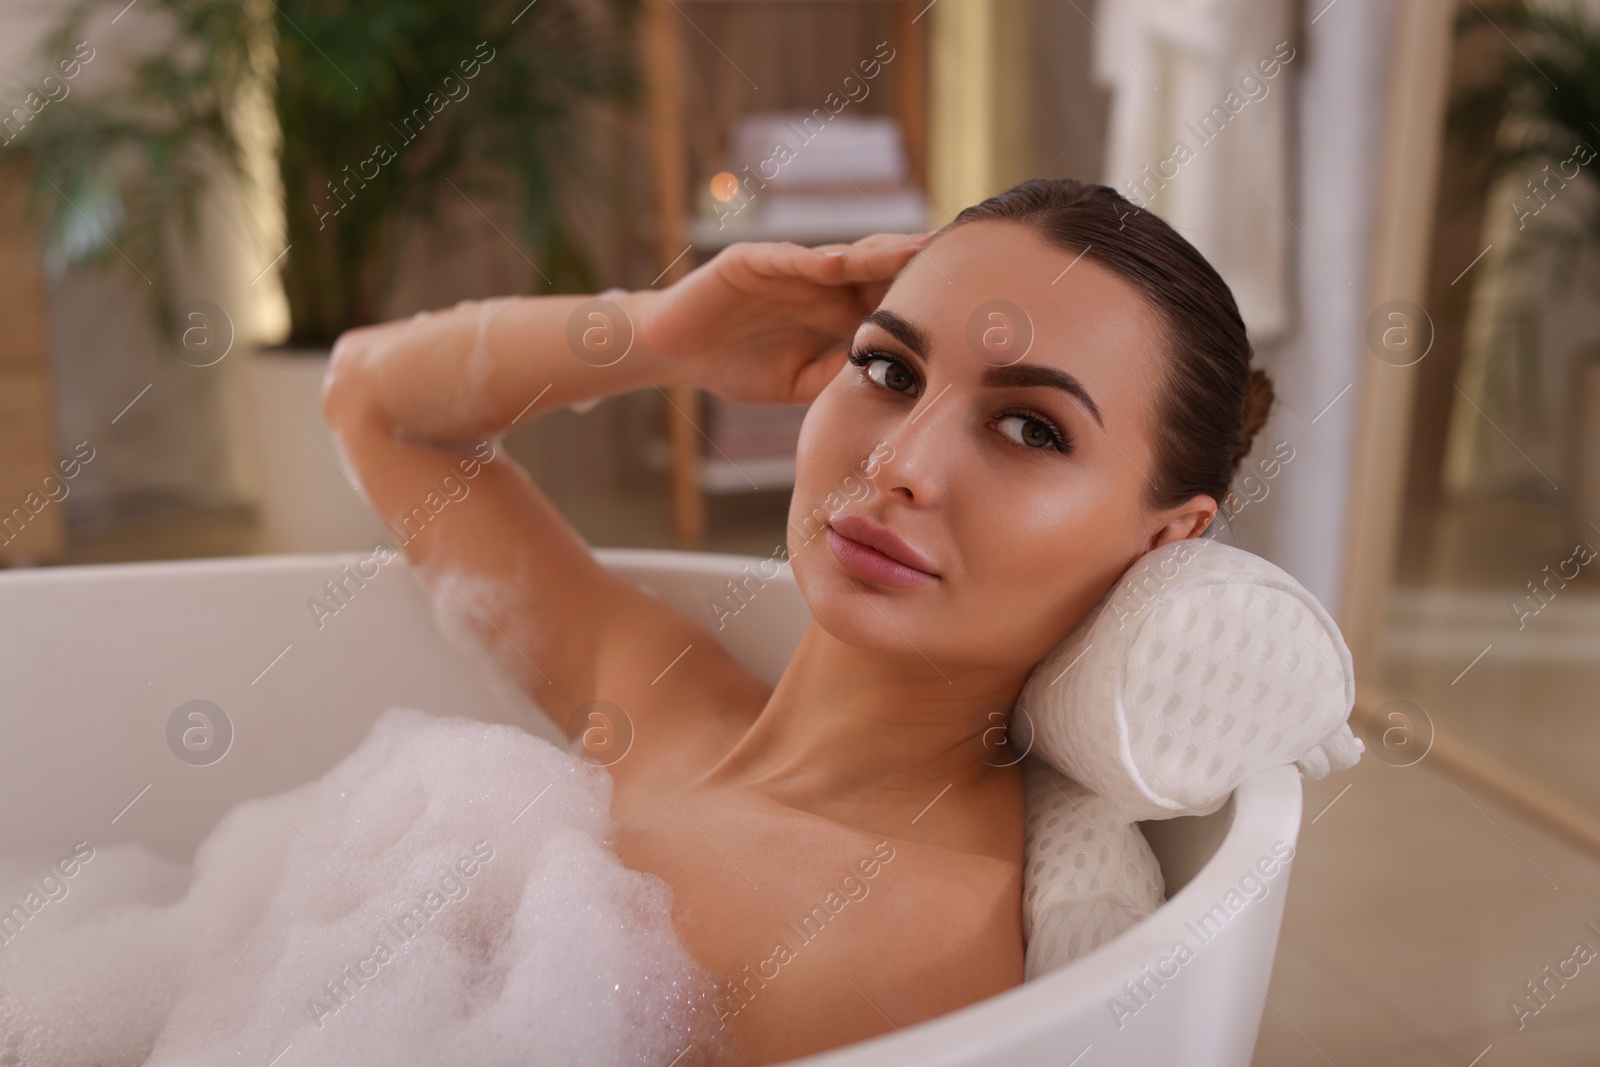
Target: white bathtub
95	661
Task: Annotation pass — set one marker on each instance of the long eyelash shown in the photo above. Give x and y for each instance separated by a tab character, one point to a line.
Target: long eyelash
1061	441
860	357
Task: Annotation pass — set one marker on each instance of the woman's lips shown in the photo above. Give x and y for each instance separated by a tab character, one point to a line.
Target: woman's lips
867	562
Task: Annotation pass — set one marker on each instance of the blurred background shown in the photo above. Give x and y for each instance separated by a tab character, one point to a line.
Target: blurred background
198	196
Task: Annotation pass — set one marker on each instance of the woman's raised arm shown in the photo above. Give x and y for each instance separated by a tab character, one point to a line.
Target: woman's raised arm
417	407
465	374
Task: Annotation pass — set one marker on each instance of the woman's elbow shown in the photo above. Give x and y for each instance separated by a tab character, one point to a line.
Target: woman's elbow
346	387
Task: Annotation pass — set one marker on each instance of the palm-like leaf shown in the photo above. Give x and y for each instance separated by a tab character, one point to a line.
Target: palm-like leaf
115	174
1548	102
111	175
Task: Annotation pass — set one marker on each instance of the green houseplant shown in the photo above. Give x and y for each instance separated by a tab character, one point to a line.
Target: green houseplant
387	110
1537	122
1544	106
385	107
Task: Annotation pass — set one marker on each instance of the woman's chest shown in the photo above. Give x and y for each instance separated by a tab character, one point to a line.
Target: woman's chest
772	902
745	871
810	930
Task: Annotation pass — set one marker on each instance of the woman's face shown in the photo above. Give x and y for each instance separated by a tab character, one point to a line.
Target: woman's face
1001	426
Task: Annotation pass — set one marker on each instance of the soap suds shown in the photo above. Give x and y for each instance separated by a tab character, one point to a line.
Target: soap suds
479	615
446	894
479	364
348	469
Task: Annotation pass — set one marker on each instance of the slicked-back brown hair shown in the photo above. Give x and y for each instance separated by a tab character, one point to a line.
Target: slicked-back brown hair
1211	401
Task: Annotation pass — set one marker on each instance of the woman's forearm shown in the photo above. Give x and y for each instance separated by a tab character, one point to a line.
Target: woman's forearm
759	323
469	372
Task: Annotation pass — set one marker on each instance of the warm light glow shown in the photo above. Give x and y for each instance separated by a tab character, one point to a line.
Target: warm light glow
724	186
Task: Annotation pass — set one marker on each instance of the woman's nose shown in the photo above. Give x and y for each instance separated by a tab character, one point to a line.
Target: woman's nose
923	445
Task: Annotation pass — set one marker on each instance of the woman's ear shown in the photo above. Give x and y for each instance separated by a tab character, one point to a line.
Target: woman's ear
1189	520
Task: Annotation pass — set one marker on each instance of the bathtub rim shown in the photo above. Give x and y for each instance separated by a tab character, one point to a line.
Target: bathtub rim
1263	810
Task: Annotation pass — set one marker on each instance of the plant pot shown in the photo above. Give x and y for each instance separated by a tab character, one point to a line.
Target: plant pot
307	504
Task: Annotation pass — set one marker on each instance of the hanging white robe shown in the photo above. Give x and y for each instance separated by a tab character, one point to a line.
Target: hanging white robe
1199	133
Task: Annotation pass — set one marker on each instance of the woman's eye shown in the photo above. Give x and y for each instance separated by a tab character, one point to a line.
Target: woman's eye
891	374
1030	433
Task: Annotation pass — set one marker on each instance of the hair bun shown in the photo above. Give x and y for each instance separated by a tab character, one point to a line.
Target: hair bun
1257	403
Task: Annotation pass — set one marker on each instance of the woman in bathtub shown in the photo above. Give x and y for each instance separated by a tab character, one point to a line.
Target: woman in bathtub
1045	389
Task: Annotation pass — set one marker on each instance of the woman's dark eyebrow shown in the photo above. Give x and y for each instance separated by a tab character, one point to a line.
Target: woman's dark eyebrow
903	331
1015	375
1032	374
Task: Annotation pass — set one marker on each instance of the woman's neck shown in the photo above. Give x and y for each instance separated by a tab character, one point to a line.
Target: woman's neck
865	734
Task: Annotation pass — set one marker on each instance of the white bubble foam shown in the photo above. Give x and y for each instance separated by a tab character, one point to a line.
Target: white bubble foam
453	400
446	894
479	615
479	363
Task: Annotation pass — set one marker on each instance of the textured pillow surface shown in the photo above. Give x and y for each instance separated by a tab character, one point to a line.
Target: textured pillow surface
1203	665
1089	875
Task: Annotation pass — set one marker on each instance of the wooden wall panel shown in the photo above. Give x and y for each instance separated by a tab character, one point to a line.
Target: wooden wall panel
32	524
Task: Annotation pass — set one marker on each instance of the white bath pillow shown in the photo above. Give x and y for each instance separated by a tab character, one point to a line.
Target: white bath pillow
1201	666
1088	875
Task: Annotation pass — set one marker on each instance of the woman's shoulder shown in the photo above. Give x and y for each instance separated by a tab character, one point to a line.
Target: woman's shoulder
685	696
959	901
916	931
935	906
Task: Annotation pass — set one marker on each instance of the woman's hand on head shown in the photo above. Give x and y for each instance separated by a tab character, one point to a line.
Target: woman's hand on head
754	323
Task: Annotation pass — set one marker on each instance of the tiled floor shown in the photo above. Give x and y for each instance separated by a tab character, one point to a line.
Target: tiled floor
1419	908
1416	910
1519	682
